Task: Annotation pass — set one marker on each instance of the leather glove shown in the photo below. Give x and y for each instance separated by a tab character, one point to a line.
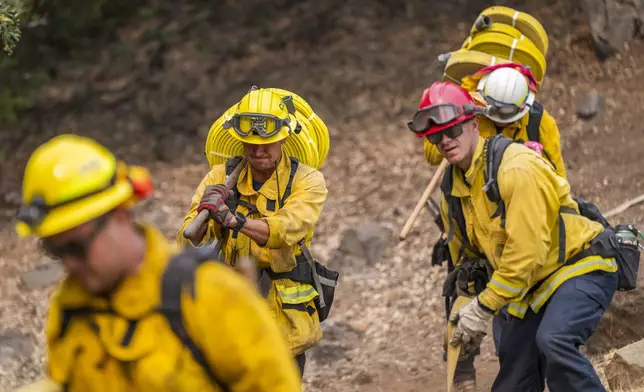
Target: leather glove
214	196
471	321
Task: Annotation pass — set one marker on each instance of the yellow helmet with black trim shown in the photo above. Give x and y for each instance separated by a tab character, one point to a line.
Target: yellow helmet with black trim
70	180
262	117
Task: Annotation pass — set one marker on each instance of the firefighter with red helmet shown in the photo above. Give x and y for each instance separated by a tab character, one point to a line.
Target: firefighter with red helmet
520	243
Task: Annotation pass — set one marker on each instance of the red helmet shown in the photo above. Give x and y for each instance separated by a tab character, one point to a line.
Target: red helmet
442	105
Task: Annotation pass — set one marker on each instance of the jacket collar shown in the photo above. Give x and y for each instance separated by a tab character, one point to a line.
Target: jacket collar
511	130
269	188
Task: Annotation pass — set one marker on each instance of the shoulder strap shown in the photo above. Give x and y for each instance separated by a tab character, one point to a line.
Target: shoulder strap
495	147
289	186
534	121
454	209
534	124
180	275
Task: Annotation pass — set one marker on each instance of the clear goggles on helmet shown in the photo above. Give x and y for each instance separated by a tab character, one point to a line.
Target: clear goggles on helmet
503	109
263	125
440	114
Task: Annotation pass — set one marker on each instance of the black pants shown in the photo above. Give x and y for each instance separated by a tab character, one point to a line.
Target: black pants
545	346
301	360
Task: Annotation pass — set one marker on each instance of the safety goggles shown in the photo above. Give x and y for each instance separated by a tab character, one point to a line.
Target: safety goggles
264	125
440	114
502	109
76	248
452	132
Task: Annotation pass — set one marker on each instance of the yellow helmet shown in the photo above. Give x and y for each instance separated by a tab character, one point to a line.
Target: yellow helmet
262	117
70	180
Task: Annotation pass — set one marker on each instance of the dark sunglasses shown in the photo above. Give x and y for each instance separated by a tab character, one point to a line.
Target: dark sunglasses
452	132
76	248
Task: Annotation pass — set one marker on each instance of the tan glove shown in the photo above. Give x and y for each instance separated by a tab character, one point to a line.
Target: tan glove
471	325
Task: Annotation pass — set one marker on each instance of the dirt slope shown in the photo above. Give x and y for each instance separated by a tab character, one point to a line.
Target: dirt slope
362	66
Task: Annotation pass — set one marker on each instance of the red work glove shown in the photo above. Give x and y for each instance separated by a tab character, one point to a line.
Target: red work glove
224	217
214	196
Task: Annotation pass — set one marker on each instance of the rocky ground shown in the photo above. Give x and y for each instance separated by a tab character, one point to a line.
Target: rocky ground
152	94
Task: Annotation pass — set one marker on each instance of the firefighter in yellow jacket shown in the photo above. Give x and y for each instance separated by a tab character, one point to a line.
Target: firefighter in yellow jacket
134	313
518	217
271	215
510	90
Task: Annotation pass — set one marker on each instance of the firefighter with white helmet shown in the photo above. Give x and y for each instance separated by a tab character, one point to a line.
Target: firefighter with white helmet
509	92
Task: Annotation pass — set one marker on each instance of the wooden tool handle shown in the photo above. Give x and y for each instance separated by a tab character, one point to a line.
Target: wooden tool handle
201	219
423	199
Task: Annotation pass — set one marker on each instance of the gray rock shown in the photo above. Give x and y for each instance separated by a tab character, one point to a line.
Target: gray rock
612	24
42	276
14	345
363	377
338	339
625	369
366	241
589	105
170	147
12	198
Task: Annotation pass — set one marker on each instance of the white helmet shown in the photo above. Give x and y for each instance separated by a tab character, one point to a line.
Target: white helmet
507	93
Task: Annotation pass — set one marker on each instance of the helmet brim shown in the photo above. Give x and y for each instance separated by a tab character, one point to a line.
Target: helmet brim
76	213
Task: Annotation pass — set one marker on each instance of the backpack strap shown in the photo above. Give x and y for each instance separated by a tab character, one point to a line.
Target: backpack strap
289	186
534	122
454	210
178	277
494	149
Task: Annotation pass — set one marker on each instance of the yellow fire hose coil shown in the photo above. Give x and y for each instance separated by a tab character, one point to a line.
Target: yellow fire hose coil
467	62
525	23
519	51
501	29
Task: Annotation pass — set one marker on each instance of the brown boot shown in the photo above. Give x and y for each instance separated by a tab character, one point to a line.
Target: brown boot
465	385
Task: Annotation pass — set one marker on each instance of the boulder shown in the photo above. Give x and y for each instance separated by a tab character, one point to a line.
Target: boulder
625	369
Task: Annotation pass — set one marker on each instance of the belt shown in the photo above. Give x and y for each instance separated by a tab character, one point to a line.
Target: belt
302	273
604	245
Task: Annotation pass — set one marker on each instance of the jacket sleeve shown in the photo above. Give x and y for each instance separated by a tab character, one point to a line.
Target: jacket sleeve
532	208
432	155
300	212
213	228
549	134
234	328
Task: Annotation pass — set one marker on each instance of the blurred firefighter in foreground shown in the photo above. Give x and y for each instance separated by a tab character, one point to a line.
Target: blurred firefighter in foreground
510	215
269	215
134	313
509	91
